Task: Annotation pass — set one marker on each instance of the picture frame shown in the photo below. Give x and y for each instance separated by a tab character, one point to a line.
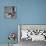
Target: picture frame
10	12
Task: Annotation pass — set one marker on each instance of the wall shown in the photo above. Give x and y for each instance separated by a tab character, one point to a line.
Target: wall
28	12
33	11
7	25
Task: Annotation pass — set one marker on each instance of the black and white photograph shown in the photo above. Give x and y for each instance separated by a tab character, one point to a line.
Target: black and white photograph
10	12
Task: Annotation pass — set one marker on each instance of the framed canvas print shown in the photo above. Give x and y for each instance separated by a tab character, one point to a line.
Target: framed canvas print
29	34
10	12
32	32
